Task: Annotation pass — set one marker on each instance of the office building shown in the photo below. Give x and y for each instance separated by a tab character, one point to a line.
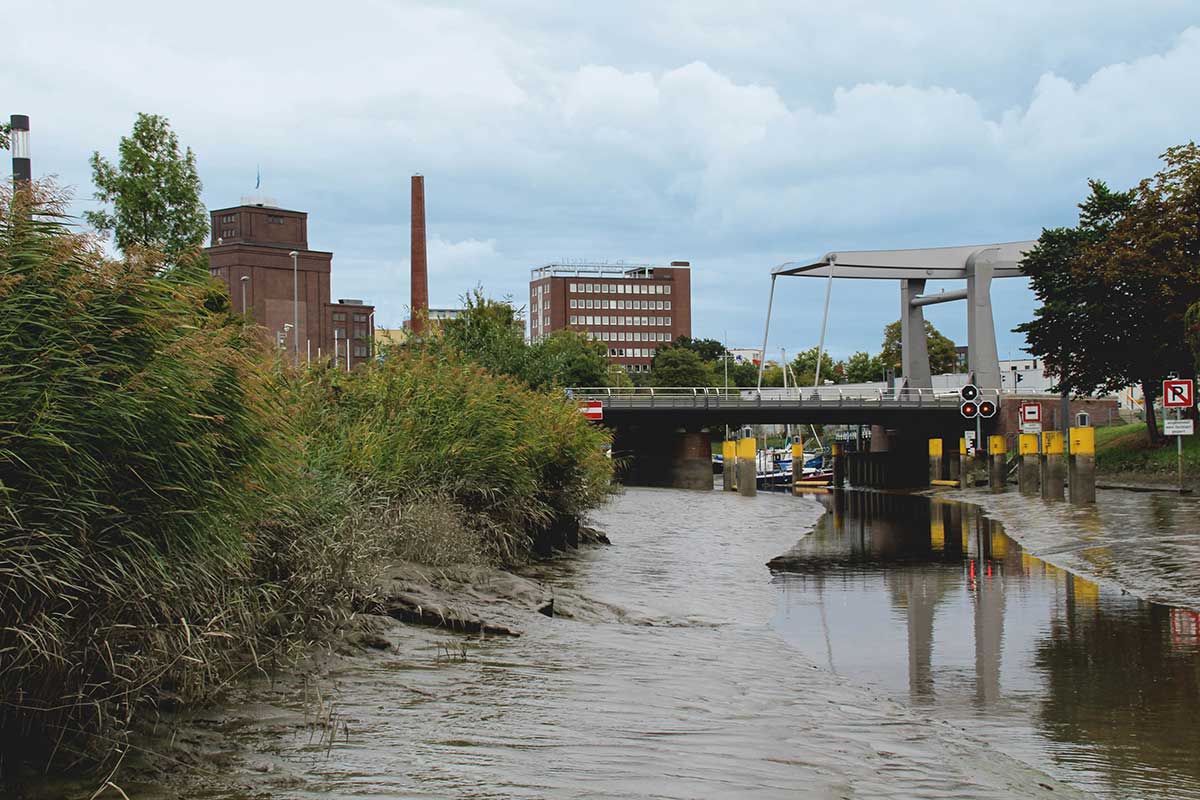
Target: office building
634	311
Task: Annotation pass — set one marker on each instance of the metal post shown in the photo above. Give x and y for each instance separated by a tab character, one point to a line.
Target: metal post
1179	450
19	144
244	280
295	309
762	354
824	321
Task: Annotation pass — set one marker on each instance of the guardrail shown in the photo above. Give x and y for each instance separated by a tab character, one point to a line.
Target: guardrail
718	397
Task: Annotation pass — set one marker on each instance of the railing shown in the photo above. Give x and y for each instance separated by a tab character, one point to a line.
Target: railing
817	396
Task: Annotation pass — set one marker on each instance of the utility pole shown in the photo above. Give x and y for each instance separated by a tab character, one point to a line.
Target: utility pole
295	309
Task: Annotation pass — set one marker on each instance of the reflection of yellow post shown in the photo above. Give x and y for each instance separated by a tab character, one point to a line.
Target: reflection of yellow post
937	528
729	465
1082	477
1052	465
747	467
1027	475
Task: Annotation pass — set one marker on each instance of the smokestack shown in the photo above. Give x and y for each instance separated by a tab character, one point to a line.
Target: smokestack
420	266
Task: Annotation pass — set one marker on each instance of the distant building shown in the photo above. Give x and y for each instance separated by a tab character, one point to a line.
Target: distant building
437	316
634	311
251	252
746	355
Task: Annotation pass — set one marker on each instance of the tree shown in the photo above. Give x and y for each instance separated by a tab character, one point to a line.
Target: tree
943	354
488	332
154	192
5	130
805	367
678	366
862	368
566	358
1115	289
707	349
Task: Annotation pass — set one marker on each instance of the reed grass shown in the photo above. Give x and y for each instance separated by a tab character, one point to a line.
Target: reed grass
177	506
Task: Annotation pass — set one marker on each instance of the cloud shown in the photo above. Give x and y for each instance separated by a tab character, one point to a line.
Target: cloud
729	136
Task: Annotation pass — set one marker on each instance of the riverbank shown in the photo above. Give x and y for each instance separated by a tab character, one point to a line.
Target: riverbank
1124	455
661	678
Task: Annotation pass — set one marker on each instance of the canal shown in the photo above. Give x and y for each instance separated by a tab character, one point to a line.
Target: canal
894	648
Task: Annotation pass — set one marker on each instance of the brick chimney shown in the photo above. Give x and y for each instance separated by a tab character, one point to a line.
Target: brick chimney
420	266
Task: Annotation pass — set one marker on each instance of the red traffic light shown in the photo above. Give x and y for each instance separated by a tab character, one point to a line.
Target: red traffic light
987	409
969	392
970	410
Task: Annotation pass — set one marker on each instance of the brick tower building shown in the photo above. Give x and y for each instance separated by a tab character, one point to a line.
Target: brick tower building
252	252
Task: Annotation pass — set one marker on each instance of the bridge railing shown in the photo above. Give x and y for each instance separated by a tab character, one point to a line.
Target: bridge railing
768	397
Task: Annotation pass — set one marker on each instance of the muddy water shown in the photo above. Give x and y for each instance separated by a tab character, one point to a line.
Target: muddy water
934	604
684	680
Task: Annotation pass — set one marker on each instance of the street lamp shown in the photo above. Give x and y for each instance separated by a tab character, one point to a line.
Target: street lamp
295	310
371	331
245	279
19	145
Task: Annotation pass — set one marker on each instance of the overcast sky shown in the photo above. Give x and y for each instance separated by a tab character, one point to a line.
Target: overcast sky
735	135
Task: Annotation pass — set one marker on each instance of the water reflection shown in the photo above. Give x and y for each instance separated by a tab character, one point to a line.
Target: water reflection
933	601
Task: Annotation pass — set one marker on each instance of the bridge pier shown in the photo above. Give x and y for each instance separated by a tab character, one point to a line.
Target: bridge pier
1027	476
671	459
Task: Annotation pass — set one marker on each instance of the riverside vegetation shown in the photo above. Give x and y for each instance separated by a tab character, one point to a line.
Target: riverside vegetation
180	506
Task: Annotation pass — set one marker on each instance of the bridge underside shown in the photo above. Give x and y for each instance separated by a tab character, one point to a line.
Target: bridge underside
929	423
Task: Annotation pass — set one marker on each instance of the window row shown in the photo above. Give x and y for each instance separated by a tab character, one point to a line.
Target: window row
631	352
643	305
628	336
603	320
619	288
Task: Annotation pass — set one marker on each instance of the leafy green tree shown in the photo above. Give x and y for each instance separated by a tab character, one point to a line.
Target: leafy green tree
5	130
1115	290
566	358
679	366
804	367
490	333
943	354
707	349
154	192
863	368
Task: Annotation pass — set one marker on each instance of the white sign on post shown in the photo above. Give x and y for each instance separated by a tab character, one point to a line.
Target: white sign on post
1178	427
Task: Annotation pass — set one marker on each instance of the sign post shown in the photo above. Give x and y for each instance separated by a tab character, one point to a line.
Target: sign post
1178	393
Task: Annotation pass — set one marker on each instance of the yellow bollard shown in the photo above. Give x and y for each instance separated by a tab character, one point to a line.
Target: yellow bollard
797	461
1027	473
1053	469
965	474
839	464
935	460
1082	467
998	455
747	466
728	464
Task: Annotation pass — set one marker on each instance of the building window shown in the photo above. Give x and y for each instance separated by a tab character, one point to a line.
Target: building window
668	321
571	287
339	316
360	331
360	351
339	333
666	305
229	218
228	233
573	303
574	320
360	317
666	290
275	219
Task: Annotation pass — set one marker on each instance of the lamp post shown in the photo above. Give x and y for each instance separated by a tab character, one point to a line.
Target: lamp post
245	279
19	145
295	309
371	332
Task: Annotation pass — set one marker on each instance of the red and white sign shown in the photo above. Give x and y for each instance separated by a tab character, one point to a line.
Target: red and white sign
1031	412
593	410
1178	393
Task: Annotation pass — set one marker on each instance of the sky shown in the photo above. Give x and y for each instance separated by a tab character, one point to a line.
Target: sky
735	136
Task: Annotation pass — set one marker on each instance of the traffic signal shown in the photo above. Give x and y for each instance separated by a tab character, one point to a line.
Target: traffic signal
987	409
969	409
969	392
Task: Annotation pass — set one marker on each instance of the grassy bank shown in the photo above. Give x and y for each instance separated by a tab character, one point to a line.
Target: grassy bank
1126	449
179	506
